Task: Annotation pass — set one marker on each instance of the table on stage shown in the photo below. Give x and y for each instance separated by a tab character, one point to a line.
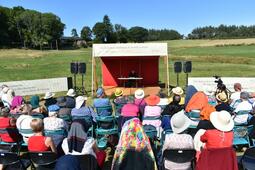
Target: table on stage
136	79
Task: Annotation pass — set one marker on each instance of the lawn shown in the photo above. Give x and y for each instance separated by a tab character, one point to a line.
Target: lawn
209	57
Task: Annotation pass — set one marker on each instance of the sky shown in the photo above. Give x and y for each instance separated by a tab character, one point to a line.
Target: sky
181	15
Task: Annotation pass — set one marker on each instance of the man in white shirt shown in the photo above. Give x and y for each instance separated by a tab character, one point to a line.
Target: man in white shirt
246	106
236	95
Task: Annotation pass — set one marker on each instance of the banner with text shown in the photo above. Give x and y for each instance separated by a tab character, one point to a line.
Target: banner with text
39	86
202	83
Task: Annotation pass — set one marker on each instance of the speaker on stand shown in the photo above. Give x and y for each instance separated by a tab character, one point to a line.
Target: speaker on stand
177	70
187	68
82	71
78	68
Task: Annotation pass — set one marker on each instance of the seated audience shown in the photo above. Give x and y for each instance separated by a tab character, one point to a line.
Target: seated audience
68	162
35	103
190	91
177	91
101	100
38	142
70	98
79	144
17	101
49	99
222	103
133	138
23	121
120	99
9	132
164	101
245	106
178	139
7	96
236	95
140	101
210	93
81	109
62	104
152	110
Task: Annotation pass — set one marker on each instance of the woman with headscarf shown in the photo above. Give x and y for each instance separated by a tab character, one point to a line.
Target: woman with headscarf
35	103
134	149
79	144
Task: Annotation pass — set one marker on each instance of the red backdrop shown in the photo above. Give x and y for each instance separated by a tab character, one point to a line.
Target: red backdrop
115	67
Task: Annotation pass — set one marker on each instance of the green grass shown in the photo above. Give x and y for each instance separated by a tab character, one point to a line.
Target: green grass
222	57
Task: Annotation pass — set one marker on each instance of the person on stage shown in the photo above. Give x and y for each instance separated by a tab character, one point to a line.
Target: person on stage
132	74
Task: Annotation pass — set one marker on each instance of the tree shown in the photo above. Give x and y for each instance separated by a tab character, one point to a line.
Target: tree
86	33
138	34
121	33
74	33
4	36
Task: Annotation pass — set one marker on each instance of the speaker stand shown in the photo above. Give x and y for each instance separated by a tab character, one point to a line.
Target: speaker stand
177	78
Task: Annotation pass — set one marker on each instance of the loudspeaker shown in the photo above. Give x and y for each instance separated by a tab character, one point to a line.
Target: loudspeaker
74	67
178	67
82	68
187	66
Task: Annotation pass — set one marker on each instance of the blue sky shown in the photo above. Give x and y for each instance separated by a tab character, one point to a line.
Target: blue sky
181	15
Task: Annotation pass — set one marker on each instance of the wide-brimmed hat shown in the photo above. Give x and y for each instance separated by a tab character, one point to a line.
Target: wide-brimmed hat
118	92
79	101
152	100
100	92
61	101
222	120
139	94
5	89
163	102
180	122
222	97
177	90
71	93
209	91
48	95
53	108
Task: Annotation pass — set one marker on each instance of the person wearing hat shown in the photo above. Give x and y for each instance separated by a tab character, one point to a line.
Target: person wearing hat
120	99
70	98
245	106
177	91
140	101
81	109
222	102
179	139
101	100
130	109
222	136
62	104
49	99
152	110
35	103
7	96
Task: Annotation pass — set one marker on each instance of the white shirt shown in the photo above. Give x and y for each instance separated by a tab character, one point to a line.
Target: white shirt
234	97
243	106
87	148
54	123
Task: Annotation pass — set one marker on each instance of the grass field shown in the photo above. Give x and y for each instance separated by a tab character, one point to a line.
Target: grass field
210	57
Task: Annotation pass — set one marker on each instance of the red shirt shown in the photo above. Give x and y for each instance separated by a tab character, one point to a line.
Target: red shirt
37	144
217	139
5	123
129	110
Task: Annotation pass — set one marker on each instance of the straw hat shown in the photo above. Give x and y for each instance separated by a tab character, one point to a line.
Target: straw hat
163	102
222	97
152	100
177	90
79	101
180	122
71	93
208	91
139	94
222	120
48	95
118	92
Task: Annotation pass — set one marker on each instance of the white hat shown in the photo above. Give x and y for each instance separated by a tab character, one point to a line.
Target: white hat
163	102
71	93
208	91
5	89
177	90
79	101
139	94
180	122
222	120
52	113
49	95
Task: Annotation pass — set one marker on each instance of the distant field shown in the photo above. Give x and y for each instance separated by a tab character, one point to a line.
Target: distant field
222	57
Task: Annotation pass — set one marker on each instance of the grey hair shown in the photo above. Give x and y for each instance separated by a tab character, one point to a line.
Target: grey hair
244	95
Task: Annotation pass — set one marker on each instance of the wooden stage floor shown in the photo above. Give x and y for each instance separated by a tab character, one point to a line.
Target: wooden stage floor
109	90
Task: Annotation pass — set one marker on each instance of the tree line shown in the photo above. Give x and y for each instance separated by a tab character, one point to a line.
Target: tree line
28	28
222	32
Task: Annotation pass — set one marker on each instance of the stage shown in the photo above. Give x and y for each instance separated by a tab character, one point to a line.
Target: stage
109	90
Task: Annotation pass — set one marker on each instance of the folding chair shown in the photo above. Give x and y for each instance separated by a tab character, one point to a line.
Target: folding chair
179	156
248	159
66	117
118	108
241	136
89	122
43	160
13	161
14	134
37	116
104	111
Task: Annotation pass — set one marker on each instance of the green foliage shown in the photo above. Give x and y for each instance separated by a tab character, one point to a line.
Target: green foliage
74	33
121	33
164	34
138	34
86	33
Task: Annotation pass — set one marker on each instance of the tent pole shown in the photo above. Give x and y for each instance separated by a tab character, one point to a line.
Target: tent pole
167	74
92	72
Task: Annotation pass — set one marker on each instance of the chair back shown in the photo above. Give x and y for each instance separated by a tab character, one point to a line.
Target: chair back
179	155
241	135
105	110
118	108
194	115
8	158
61	132
88	119
43	158
37	116
26	131
66	117
248	159
242	112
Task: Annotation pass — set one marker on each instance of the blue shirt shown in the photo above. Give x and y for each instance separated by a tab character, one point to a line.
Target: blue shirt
101	102
84	111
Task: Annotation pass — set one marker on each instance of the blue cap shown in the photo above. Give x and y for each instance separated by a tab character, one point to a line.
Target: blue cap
53	108
100	91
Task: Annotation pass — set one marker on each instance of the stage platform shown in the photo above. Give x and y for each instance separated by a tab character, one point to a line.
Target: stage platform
109	90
